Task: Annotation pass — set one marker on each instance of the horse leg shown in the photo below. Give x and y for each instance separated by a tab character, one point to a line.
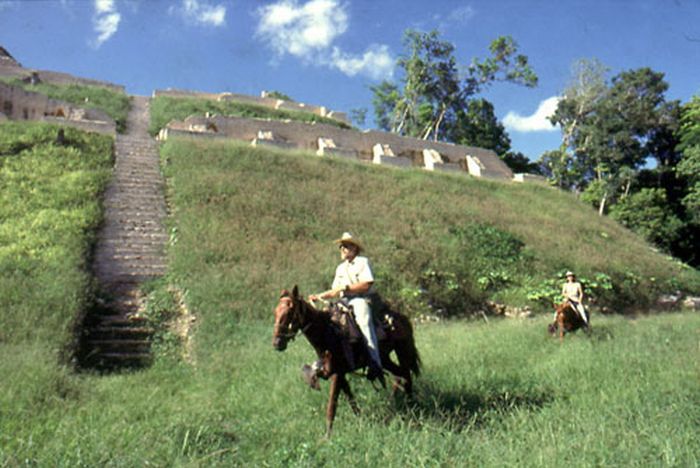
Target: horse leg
560	324
402	375
345	388
332	404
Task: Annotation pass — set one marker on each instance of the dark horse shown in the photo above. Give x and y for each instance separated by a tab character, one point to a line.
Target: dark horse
567	320
293	314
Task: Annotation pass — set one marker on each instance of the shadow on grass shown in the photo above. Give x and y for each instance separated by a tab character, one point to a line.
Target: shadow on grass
463	410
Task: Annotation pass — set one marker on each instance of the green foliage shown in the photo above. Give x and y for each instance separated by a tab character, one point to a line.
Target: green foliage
115	104
164	109
647	212
477	125
689	166
597	288
434	100
161	311
279	95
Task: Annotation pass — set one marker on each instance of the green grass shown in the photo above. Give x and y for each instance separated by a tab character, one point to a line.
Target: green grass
247	223
49	211
254	220
497	394
114	103
164	109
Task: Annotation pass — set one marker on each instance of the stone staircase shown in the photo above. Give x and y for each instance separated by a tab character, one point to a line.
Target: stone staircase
130	249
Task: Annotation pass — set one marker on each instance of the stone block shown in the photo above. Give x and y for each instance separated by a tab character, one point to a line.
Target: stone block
430	158
474	166
327	147
267	138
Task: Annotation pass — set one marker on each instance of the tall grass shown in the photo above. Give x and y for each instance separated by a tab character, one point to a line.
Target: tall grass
114	103
496	394
164	109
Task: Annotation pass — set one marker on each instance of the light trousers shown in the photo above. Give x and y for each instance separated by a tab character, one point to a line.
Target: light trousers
363	317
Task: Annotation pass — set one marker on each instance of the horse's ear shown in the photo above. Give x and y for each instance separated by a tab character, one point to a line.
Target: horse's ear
295	291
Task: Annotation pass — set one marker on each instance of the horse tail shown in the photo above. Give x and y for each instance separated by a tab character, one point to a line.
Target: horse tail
406	349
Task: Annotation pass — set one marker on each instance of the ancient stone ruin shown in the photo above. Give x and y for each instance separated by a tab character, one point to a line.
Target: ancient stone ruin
370	146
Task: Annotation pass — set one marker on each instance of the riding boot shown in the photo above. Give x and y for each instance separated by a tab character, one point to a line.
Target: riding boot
310	376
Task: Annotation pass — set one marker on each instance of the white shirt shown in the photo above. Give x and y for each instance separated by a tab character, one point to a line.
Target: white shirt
571	290
356	271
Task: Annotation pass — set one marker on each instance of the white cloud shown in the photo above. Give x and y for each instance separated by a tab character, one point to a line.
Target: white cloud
461	14
310	30
105	20
202	13
298	30
537	122
376	62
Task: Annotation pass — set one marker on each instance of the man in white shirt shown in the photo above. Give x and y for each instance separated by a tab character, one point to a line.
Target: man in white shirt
354	280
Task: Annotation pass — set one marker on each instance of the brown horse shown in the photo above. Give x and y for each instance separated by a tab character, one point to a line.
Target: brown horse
293	315
567	320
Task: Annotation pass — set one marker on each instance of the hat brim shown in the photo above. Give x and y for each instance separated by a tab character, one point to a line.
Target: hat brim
348	241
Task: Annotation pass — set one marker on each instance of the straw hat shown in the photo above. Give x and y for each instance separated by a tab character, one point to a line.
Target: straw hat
347	238
570	273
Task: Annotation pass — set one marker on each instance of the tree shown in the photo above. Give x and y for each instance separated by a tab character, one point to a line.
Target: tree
477	125
689	165
433	98
611	131
648	213
561	168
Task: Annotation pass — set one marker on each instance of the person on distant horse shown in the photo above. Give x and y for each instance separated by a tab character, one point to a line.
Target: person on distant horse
354	282
573	294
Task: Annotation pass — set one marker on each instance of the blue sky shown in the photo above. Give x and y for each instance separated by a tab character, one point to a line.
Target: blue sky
329	52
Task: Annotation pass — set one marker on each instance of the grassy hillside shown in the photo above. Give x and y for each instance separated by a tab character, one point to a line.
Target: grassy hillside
251	221
164	109
115	104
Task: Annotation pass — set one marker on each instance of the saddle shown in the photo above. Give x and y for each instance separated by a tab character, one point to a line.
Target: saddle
352	339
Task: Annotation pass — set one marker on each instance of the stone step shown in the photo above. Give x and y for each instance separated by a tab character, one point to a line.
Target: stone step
129	269
138	277
110	331
125	356
120	345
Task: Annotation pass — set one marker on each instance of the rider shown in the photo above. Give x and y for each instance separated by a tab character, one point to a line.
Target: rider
353	281
573	293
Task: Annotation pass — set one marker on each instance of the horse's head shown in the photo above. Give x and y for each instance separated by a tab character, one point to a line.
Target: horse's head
288	318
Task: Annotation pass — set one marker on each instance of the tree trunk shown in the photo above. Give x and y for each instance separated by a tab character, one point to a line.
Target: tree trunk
601	207
439	121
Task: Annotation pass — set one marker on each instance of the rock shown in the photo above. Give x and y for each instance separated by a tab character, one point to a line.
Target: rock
691	303
668	301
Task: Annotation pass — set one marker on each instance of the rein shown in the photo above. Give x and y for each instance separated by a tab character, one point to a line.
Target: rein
296	316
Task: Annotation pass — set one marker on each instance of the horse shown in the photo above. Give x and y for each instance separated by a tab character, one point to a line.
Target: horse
567	320
293	315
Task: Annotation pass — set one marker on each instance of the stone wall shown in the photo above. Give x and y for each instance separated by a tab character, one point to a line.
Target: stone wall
264	100
370	146
18	104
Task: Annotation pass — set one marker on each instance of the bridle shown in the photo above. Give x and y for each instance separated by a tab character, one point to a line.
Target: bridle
295	319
